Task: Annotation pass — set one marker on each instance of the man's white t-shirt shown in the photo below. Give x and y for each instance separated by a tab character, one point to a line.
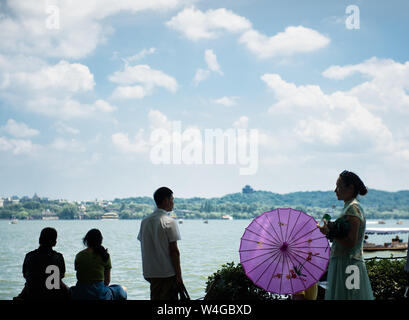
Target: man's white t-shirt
156	232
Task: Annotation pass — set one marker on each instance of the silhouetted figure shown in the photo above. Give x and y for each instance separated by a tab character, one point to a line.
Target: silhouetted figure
347	236
93	266
43	270
158	235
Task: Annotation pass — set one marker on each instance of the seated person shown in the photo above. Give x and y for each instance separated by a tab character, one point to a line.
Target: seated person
43	270
93	266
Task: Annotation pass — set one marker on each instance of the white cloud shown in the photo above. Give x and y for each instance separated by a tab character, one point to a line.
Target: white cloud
290	96
293	40
226	101
63	128
158	120
201	75
139	144
102	106
19	129
338	120
195	24
241	123
67	145
31	74
211	61
68	108
49	89
17	146
212	65
126	145
386	88
27	28
146	79
73	77
140	55
130	92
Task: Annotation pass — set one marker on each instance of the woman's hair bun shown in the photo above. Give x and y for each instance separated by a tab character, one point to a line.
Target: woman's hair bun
363	190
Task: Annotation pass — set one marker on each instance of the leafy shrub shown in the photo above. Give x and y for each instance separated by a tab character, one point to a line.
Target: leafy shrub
231	283
388	278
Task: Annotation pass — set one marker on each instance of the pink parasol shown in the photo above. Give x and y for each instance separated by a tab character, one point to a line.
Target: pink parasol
283	251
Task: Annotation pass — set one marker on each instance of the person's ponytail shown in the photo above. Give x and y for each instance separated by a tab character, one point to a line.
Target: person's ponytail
93	239
102	252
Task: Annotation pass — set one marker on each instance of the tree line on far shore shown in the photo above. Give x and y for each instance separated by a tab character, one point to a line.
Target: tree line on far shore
378	205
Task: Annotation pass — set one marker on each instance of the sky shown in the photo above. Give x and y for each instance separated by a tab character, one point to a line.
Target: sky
113	99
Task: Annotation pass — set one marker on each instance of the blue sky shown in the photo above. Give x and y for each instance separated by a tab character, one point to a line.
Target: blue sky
85	84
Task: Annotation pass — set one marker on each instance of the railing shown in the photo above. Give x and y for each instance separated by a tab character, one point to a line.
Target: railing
384	258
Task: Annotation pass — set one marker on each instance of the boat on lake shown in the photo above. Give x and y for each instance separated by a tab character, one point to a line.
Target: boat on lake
396	244
381	222
13	221
180	221
227	217
110	216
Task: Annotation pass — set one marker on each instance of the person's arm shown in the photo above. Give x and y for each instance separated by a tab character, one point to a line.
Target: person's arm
175	258
25	266
62	266
107	276
350	240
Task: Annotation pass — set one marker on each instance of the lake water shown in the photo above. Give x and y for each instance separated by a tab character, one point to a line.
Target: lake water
204	248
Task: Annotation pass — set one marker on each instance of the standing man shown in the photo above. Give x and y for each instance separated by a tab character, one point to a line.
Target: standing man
158	235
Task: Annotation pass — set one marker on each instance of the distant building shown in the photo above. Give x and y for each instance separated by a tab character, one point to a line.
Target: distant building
81	215
49	215
248	189
110	216
13	200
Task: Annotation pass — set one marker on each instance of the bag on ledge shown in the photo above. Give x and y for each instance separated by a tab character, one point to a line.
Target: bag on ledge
182	293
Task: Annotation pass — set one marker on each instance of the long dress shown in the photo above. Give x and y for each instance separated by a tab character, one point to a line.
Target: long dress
347	274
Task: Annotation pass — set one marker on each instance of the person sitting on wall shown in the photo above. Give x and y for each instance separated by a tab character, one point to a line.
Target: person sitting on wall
44	270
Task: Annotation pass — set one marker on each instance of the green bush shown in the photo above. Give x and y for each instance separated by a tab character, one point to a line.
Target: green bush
388	278
231	283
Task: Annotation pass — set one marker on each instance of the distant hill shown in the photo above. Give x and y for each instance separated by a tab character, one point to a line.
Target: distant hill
377	203
242	205
321	199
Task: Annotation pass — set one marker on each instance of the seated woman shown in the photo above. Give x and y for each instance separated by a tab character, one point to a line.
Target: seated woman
93	266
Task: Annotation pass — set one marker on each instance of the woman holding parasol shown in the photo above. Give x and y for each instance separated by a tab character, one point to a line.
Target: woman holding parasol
347	275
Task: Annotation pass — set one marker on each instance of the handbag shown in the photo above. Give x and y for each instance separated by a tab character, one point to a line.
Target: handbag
182	293
338	229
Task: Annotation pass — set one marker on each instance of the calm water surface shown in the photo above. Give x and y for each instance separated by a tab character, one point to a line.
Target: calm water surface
204	248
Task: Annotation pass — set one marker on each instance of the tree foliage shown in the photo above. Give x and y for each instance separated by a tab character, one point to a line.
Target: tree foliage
377	204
